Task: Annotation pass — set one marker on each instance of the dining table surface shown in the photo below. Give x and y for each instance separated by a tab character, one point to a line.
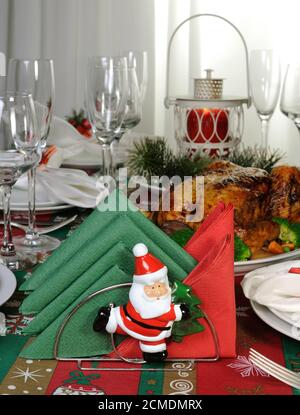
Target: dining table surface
227	376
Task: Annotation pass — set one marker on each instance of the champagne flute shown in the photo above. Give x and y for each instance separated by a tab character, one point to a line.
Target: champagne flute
137	86
138	59
106	99
37	78
133	110
17	123
265	86
290	96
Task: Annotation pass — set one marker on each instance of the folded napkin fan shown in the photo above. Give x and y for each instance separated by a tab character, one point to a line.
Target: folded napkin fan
276	287
62	186
212	280
91	240
71	146
70	143
118	254
79	339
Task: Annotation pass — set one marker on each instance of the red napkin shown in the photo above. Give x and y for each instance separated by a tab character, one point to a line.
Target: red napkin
212	281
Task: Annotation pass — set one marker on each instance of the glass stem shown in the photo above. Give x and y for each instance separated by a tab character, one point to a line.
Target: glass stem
7	248
108	169
31	233
264	130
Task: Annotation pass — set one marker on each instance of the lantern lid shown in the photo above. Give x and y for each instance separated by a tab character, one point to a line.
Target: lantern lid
224	102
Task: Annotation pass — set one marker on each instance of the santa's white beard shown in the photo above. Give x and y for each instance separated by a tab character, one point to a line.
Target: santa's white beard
148	307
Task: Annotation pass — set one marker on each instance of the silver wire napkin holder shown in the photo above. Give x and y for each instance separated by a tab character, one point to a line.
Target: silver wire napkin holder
120	358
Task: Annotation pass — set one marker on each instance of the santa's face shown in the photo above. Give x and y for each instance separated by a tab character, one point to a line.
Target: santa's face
151	300
157	290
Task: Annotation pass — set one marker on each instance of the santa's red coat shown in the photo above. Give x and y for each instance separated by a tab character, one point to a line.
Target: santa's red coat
133	322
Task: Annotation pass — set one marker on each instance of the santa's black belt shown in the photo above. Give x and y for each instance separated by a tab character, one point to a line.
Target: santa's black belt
144	325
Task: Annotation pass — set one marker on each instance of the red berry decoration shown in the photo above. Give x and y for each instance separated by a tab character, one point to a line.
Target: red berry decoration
81	123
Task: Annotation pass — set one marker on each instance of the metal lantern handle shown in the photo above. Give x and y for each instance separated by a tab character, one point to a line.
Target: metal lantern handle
168	101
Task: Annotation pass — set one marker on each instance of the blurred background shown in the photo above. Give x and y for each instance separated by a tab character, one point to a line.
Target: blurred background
69	31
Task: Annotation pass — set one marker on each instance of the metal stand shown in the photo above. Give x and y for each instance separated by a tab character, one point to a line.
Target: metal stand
135	361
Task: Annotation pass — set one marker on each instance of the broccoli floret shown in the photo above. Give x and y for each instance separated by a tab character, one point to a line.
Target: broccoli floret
289	232
241	250
182	236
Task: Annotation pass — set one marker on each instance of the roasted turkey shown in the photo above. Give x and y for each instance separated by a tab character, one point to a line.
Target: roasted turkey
257	197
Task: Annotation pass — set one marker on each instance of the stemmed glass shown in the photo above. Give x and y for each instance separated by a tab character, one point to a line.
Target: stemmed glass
138	60
265	86
133	114
290	96
137	85
106	99
35	77
17	123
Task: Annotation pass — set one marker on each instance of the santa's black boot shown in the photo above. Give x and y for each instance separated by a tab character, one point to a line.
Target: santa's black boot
155	357
102	319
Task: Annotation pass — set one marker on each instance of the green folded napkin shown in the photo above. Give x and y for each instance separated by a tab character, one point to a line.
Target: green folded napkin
118	255
89	234
89	229
124	229
79	339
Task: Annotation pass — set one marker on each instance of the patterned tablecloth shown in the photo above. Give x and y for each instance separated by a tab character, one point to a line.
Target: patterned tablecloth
236	376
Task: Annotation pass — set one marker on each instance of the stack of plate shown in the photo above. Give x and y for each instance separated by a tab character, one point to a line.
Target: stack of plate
274	294
276	320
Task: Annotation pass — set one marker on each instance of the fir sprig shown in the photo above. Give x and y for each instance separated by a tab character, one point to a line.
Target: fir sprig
153	157
259	157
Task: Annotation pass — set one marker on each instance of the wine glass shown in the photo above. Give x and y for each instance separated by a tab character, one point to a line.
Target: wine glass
133	112
290	96
138	59
17	123
137	85
106	100
265	86
37	78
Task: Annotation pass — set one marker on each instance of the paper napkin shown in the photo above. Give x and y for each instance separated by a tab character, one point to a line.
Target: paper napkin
69	262
118	255
216	226
79	338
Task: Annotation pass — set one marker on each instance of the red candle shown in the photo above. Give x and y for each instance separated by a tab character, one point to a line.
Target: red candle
208	125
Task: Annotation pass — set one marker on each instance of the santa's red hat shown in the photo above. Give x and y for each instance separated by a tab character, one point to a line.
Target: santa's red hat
148	269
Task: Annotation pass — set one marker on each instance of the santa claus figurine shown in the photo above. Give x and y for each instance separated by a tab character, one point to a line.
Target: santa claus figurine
149	315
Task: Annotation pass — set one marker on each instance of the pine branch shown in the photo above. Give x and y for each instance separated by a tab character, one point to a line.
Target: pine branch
153	157
256	156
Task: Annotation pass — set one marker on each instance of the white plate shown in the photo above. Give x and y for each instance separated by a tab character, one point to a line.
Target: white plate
275	322
284	316
40	208
242	267
8	284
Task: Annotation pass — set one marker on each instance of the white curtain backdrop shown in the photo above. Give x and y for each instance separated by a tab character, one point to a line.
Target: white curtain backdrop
71	30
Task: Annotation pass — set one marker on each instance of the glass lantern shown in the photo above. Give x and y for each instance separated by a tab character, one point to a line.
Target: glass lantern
208	120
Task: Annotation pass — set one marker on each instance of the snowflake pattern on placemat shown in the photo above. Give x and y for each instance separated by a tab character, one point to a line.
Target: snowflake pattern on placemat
246	368
16	323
